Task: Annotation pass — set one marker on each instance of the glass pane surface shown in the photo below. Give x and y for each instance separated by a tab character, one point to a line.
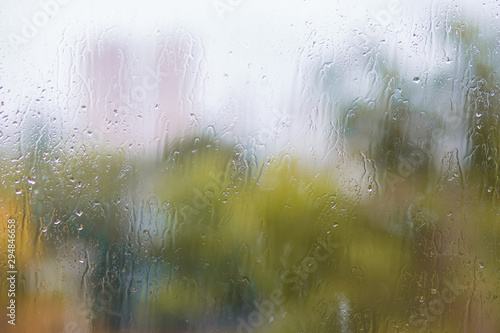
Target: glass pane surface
249	166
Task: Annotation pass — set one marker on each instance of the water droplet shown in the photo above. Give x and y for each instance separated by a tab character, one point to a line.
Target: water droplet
31	181
19	191
79	213
56	222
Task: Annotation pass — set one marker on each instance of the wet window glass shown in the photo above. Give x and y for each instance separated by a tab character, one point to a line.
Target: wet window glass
249	166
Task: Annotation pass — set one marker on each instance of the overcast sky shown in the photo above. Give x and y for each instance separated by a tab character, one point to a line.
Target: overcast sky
256	59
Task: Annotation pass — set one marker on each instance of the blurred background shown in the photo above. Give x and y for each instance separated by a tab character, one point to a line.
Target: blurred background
250	166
